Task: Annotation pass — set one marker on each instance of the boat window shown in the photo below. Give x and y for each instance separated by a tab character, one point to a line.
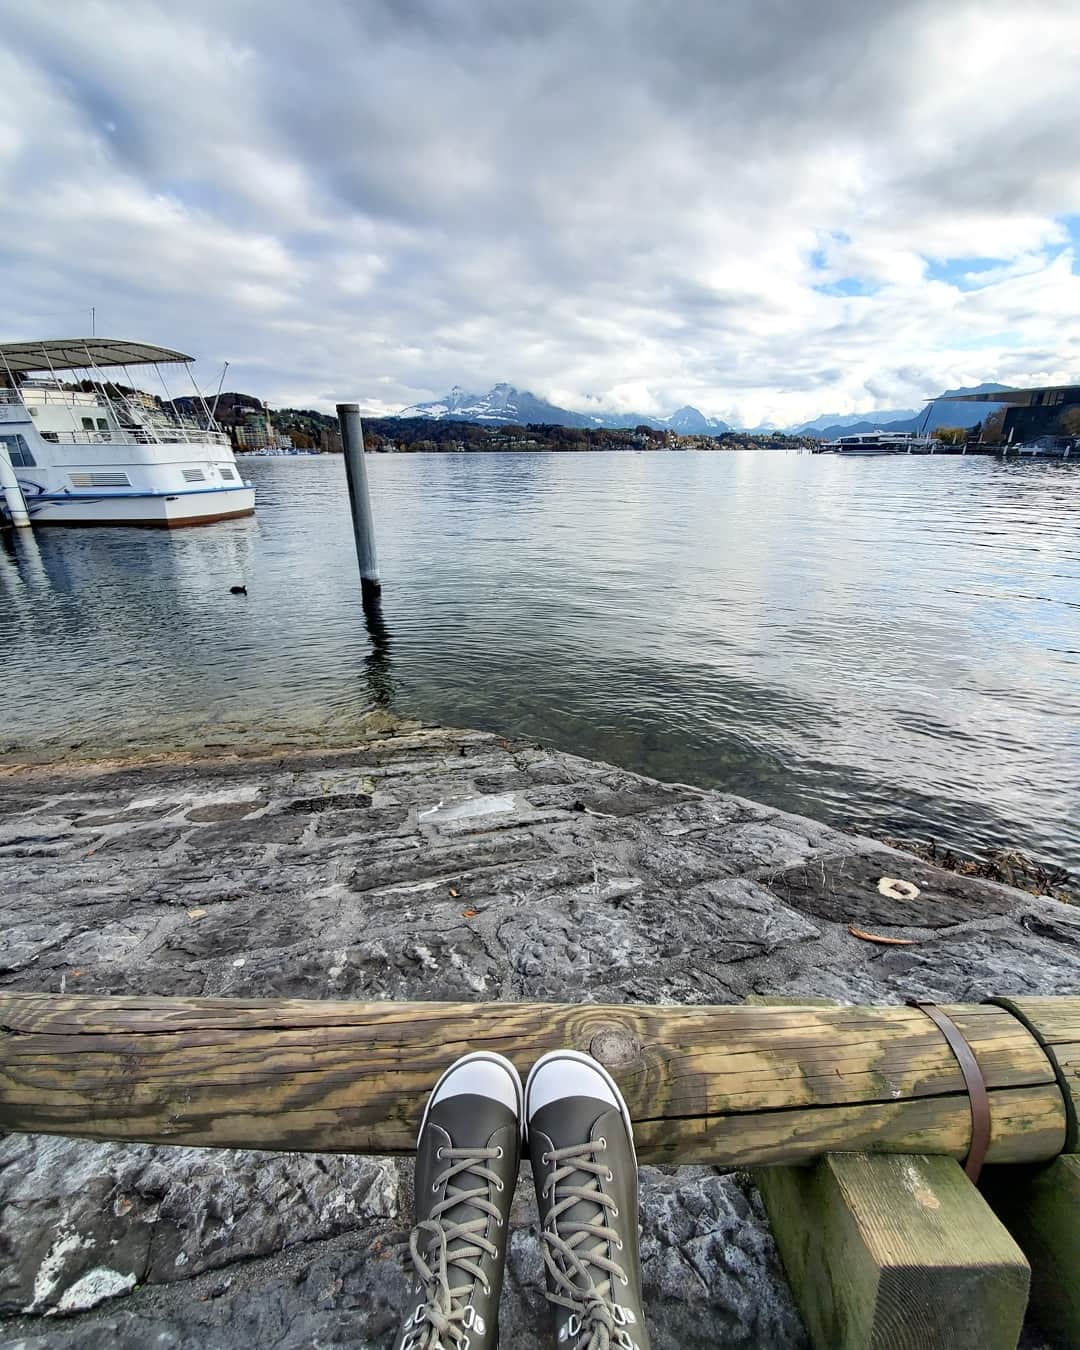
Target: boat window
88	424
103	424
18	452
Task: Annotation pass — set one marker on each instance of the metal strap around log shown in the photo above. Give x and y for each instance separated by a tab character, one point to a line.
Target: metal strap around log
973	1081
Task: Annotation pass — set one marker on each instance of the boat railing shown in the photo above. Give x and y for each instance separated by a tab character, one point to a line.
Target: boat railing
9	395
138	436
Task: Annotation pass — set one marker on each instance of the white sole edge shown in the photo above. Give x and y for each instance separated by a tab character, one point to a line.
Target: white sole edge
491	1057
592	1064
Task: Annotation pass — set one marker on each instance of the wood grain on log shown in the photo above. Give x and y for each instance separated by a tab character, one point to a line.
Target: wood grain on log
719	1084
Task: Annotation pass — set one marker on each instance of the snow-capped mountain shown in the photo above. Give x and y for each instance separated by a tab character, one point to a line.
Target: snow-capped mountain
505	404
501	403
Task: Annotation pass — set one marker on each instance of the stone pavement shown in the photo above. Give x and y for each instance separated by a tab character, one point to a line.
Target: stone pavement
423	863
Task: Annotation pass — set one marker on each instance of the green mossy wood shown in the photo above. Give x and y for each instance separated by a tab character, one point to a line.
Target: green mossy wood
895	1253
1041	1208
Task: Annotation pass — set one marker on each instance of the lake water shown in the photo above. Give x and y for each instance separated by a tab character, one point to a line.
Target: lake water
891	643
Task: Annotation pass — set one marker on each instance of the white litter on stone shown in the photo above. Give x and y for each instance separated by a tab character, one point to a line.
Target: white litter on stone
896	889
474	806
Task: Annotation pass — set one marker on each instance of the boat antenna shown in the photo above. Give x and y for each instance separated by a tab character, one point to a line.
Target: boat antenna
213	410
93	321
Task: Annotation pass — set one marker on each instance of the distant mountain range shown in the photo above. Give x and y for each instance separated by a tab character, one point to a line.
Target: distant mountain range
504	404
831	424
940	413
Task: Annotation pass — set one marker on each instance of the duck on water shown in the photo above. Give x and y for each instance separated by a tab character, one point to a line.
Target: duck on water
93	451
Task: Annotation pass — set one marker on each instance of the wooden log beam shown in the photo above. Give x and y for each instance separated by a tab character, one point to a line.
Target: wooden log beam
1040	1206
731	1085
887	1253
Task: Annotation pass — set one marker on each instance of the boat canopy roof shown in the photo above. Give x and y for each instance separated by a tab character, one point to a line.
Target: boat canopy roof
83	353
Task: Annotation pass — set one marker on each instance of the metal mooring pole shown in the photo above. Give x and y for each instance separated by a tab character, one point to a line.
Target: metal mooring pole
352	443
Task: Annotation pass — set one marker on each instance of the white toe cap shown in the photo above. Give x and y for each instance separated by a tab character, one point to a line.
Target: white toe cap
482	1077
560	1077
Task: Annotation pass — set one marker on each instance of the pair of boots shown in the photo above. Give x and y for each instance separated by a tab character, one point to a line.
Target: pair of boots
572	1120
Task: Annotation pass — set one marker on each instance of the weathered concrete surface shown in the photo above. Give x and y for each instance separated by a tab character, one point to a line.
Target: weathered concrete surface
427	864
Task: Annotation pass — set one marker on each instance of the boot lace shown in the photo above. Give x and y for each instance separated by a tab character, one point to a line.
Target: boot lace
578	1252
445	1318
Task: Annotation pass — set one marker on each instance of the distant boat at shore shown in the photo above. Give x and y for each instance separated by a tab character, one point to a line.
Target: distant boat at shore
92	451
880	443
1047	447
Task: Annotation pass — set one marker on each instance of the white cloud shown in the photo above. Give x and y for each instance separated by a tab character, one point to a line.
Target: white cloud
765	209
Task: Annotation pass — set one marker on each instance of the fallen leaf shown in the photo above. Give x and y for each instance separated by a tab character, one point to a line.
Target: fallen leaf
454	893
469	913
196	913
876	937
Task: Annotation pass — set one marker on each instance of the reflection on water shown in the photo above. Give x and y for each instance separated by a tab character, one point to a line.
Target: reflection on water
889	642
380	683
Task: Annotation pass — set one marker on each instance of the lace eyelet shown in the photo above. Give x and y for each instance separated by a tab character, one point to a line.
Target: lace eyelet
623	1281
619	1245
439	1153
610	1175
601	1142
498	1223
499	1151
545	1158
499	1186
486	1289
615	1215
434	1187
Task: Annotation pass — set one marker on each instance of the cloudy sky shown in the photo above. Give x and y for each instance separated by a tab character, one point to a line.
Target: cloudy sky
767	208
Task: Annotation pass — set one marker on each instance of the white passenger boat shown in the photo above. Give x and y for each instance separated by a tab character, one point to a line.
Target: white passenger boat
881	443
95	450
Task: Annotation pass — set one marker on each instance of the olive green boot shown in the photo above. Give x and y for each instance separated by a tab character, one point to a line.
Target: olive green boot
582	1150
467	1158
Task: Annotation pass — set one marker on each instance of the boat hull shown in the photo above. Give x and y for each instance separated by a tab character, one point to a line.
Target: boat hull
166	512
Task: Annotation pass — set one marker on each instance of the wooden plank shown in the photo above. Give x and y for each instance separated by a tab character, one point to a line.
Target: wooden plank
895	1253
1040	1206
1055	1024
718	1084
